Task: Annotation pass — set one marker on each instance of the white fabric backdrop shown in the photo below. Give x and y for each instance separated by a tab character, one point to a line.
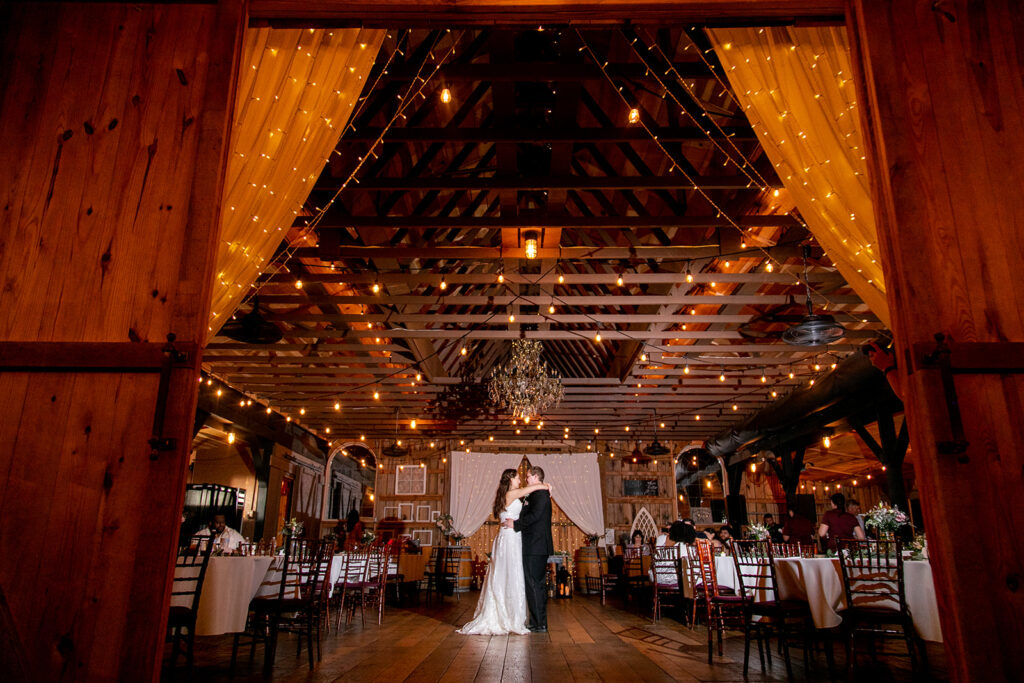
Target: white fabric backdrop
475	478
576	487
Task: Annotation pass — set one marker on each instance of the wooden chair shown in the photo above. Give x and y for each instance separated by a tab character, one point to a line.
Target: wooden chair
723	610
786	550
189	574
873	581
438	572
667	578
608	580
295	607
349	587
376	580
633	574
394	577
759	589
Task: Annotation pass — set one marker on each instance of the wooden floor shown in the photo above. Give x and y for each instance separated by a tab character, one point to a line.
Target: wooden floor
585	642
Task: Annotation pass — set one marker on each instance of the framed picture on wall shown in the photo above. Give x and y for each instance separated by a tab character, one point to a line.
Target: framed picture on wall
422	513
434	515
410	480
424	536
405	511
391	511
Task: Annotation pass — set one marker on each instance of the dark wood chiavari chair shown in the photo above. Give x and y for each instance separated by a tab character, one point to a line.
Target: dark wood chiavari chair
666	569
873	581
394	576
376	580
633	574
452	567
189	575
351	582
608	580
295	606
786	550
433	572
759	588
723	610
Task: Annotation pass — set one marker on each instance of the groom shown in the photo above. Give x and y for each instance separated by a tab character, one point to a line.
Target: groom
535	524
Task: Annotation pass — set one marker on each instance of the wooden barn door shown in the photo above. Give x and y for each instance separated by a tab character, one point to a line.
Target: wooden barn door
113	119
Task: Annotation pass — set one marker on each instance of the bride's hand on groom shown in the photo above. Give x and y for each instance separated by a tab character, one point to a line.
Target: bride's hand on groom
508	524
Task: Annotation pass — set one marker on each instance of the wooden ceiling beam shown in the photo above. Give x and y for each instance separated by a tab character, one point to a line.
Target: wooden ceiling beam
490	319
558	221
541	183
514	277
546	300
543	135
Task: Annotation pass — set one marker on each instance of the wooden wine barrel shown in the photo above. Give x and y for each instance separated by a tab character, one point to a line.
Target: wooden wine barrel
463	555
588	566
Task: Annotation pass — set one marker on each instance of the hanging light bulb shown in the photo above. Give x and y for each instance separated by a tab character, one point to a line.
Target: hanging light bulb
511	317
721	378
269	410
464	351
826	442
634	115
530	243
337	406
376	396
689	277
444	284
327	430
419	377
431	444
231	437
376	288
501	277
302	411
446	96
597	338
551	308
412	424
561	279
643	357
298	284
686	369
764	377
769	267
774	393
618	281
735	407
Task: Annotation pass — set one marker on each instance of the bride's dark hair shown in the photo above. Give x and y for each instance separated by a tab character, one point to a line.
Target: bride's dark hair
503	486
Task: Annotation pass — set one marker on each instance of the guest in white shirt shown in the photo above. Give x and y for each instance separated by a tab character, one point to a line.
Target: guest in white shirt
225	538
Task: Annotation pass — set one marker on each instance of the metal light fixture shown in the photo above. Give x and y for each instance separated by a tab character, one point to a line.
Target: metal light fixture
530	242
524	385
813	330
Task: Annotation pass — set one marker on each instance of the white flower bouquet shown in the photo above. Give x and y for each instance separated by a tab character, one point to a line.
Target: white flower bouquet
885	518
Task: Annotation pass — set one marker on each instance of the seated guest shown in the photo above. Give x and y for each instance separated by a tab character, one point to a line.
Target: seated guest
774	530
225	538
725	536
662	538
637	541
837	523
681	533
798	529
853	507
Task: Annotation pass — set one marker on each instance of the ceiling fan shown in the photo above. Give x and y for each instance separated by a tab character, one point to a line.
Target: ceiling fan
814	329
252	328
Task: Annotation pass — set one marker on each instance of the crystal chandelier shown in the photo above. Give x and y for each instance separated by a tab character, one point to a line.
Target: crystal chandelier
524	385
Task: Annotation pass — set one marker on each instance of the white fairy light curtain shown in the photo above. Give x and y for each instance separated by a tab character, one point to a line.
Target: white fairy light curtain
296	91
796	88
475	478
576	486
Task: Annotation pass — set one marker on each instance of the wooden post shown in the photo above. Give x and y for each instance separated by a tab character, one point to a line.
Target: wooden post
113	127
942	102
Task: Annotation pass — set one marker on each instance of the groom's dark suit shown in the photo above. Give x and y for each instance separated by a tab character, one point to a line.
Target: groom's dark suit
535	524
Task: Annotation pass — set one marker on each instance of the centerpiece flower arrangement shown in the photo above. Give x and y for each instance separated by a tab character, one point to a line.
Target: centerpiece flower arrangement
368	537
758	532
293	527
446	525
886	520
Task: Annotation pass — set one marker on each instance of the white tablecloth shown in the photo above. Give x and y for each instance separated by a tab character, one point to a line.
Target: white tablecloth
230	584
819	581
725	572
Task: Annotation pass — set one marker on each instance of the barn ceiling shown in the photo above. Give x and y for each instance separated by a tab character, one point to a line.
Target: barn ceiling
413	250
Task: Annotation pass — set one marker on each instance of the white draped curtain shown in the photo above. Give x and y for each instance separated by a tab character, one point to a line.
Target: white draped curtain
475	478
576	486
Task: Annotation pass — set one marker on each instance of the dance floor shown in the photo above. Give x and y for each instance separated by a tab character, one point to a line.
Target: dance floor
585	642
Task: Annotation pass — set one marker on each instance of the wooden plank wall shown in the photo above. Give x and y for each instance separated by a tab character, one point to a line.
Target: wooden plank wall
112	122
435	497
619	510
942	104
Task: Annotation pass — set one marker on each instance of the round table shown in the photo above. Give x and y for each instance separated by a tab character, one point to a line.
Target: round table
229	586
819	581
725	573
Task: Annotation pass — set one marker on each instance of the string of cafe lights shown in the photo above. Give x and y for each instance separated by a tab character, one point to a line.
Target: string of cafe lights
850	105
246	254
419	82
634	118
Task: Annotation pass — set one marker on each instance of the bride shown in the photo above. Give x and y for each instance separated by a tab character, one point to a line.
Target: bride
502	605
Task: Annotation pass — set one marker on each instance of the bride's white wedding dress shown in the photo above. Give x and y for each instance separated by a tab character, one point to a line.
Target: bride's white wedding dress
502	605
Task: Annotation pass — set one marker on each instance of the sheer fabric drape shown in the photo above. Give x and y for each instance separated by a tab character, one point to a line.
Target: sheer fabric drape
796	87
296	91
576	487
475	478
